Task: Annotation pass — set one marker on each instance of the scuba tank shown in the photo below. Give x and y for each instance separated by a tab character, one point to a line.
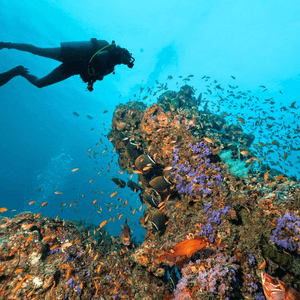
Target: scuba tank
81	51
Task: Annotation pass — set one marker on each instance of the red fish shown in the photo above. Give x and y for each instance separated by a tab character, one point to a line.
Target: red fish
275	289
125	234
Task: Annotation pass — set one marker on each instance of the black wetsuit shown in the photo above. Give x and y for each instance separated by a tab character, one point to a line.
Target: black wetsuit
76	56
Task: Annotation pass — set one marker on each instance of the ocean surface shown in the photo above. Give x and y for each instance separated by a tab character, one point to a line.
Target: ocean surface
252	46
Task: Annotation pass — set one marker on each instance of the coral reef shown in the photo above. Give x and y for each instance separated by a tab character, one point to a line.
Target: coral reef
215	216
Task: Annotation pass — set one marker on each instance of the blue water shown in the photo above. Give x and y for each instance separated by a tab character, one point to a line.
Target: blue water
41	139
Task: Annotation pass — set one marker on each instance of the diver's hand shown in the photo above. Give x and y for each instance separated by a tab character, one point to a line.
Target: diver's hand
20	70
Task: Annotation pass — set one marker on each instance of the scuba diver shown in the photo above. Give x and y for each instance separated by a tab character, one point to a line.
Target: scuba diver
91	60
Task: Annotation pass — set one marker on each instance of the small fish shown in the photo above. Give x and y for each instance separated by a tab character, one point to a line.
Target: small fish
90	117
103	223
168	168
74	169
241	120
245	153
44	203
31	202
105	111
3	209
266	177
53	247
58	193
66	245
94	202
207	140
147	168
113	194
125	234
75	113
278	177
137	172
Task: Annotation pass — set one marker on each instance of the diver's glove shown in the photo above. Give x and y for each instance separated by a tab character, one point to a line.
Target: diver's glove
5	45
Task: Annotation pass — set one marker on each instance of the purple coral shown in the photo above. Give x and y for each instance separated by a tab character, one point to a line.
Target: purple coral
213	275
251	259
283	234
191	178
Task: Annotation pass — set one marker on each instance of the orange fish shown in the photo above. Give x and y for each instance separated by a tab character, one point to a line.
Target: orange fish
66	245
168	168
241	120
74	169
278	177
137	172
58	192
208	140
245	153
44	203
266	176
187	248
147	168
31	202
3	209
103	223
53	247
275	289
113	194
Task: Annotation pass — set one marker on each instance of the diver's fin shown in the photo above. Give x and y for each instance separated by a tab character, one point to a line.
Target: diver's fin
4	45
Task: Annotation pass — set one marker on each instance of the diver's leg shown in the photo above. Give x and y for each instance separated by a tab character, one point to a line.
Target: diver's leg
7	76
53	53
57	75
